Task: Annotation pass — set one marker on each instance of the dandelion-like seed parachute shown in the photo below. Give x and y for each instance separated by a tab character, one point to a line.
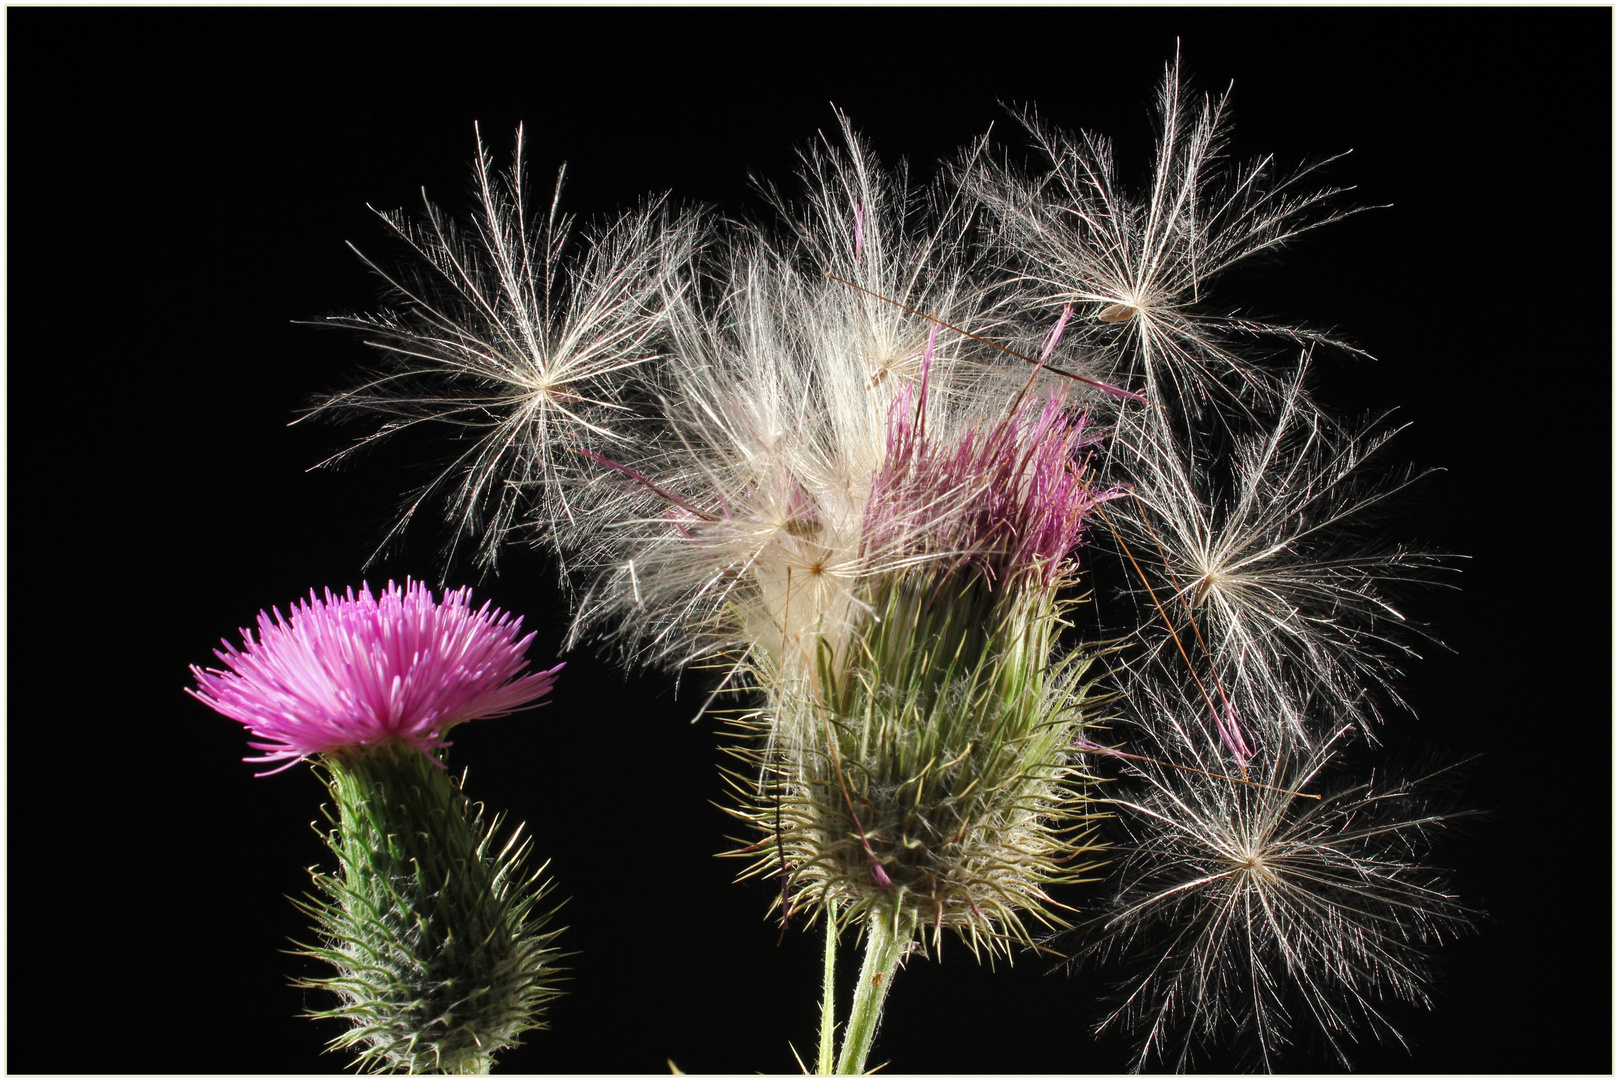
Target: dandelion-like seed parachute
1271	563
870	247
1251	909
521	338
1139	268
753	493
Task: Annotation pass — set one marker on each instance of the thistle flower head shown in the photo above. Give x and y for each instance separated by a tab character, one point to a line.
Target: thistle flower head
916	767
367	671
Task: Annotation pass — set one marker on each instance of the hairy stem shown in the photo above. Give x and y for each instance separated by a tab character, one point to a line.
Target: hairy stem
829	1014
885	941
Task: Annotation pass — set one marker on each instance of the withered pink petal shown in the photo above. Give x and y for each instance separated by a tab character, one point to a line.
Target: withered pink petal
1008	497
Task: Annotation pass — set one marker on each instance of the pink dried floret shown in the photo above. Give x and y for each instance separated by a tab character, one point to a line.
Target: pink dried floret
1009	496
367	671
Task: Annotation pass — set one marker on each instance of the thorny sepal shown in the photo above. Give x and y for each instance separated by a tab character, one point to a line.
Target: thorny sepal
443	958
928	780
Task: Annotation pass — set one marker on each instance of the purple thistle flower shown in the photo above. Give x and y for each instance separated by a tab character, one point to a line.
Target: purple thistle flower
368	671
1007	497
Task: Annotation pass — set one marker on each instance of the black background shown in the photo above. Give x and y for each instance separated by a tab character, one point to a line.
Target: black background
180	186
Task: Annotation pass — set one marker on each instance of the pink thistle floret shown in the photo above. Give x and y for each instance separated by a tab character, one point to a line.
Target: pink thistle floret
369	671
1010	496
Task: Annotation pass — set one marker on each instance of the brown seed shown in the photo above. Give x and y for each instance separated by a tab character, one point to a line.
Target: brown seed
1116	313
1201	590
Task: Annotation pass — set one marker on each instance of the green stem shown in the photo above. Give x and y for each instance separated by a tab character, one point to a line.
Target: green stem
885	941
471	1064
829	1014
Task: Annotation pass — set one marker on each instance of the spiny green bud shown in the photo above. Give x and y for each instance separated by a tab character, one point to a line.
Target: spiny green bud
926	778
442	957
